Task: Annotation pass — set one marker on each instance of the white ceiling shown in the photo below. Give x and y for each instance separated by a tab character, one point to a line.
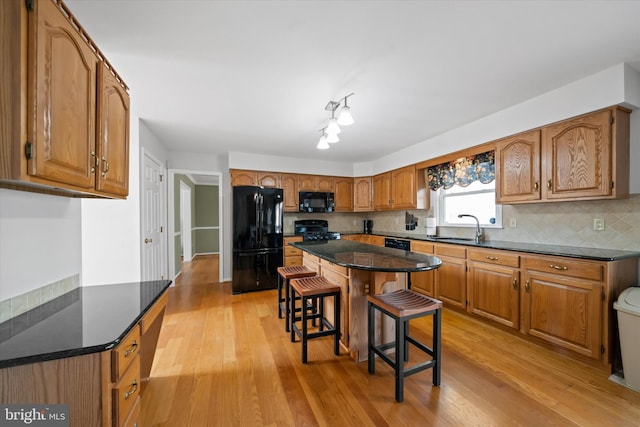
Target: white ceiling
255	76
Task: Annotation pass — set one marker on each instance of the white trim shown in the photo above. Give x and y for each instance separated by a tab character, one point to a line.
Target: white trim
146	153
171	217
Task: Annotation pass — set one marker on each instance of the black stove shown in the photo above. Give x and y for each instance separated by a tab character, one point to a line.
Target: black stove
315	229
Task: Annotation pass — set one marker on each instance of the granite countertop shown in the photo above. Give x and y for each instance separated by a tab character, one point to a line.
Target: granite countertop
368	257
86	320
594	254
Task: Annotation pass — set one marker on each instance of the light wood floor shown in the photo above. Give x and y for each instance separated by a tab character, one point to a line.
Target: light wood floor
225	360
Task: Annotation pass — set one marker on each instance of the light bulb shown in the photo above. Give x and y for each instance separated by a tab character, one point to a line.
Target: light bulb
322	143
345	118
332	127
332	138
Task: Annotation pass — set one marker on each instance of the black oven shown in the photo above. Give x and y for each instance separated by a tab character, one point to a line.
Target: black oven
314	201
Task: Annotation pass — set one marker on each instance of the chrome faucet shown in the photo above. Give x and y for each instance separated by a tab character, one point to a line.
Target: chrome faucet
478	229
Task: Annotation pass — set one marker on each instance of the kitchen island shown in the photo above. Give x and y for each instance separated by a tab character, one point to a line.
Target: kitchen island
361	269
91	349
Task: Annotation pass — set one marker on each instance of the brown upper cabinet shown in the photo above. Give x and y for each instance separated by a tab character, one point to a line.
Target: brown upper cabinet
583	158
53	70
362	194
402	188
315	183
343	194
290	191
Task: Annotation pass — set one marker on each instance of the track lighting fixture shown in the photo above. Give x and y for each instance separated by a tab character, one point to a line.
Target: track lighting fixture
331	131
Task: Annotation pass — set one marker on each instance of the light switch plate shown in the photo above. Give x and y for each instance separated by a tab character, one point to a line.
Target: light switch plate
598	224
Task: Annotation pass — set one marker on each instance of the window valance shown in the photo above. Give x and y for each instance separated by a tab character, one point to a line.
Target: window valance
463	171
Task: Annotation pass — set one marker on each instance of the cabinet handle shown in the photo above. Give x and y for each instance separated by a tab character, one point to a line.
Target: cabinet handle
527	286
515	283
492	258
96	162
536	186
134	387
131	349
549	184
106	169
559	267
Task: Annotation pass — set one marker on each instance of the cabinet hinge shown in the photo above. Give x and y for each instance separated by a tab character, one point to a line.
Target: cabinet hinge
612	184
601	349
612	119
602	295
28	150
29	5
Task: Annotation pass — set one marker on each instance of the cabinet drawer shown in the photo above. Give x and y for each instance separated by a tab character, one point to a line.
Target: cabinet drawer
422	247
566	267
292	260
133	420
376	240
126	392
291	251
124	353
326	265
451	250
154	311
495	257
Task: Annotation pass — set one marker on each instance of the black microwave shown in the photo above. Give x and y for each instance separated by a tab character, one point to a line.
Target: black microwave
313	201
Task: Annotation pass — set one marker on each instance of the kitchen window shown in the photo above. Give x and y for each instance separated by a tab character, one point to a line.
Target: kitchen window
466	185
477	199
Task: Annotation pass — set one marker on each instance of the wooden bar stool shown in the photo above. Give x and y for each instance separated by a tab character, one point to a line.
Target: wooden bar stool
307	289
285	274
404	305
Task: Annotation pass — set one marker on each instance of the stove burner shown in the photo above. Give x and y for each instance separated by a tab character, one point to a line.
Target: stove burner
315	229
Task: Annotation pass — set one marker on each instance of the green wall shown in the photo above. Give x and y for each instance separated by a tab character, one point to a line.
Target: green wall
204	214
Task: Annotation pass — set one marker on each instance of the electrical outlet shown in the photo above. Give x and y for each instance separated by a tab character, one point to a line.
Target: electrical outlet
598	224
512	223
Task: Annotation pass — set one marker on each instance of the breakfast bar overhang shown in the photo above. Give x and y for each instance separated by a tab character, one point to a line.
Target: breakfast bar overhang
361	269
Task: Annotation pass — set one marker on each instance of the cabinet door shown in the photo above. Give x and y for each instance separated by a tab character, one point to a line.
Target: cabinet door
518	168
113	135
268	179
451	281
290	191
382	191
577	157
362	191
307	183
325	183
61	100
243	177
564	311
403	188
494	293
343	196
423	281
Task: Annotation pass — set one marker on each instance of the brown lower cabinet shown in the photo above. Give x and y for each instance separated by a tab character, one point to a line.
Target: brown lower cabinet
101	389
292	255
564	301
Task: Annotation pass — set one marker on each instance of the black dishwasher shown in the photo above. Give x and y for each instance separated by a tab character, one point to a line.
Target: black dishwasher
405	245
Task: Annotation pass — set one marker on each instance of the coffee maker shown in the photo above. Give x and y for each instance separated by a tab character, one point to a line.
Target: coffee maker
368	226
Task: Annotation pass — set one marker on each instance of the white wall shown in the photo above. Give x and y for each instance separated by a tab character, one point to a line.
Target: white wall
40	241
111	228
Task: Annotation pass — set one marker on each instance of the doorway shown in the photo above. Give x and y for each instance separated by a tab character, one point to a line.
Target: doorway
204	189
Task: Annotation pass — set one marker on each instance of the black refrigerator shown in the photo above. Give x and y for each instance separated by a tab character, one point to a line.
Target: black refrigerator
257	238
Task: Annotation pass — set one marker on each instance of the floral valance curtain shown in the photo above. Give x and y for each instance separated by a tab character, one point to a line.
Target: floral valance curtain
463	171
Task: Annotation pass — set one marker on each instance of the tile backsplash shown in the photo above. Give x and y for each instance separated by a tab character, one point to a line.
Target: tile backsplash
556	223
20	304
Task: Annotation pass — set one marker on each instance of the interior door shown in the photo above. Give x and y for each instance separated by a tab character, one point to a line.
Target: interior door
154	260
